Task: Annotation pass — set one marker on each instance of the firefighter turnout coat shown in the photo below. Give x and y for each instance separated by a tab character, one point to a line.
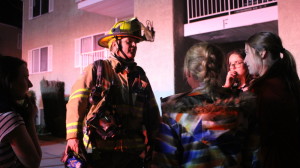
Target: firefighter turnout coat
131	96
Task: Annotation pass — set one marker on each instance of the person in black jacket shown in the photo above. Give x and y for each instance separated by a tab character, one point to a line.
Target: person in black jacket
276	86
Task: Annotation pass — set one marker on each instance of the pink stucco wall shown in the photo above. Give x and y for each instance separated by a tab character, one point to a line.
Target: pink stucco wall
60	28
161	59
157	58
288	25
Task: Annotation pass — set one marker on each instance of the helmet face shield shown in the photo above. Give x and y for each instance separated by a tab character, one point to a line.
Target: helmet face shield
129	28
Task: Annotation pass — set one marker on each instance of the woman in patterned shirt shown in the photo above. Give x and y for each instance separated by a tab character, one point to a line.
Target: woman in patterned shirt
19	145
204	127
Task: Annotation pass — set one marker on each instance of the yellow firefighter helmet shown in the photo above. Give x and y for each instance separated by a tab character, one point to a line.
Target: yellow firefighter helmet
128	28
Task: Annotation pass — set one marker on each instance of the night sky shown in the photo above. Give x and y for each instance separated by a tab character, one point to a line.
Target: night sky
11	12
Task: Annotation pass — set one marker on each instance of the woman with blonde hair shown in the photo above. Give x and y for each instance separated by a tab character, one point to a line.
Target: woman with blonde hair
202	127
202	65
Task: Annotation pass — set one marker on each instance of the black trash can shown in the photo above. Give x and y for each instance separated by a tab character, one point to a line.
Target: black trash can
54	107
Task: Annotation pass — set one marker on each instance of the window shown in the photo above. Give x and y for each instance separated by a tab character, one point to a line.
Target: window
40	7
40	60
87	50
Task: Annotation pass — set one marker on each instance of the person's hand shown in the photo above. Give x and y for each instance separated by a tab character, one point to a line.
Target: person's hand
230	79
73	144
31	108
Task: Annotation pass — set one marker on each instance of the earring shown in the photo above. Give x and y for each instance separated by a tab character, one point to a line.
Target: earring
262	54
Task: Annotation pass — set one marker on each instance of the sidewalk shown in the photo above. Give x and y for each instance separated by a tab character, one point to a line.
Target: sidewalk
52	149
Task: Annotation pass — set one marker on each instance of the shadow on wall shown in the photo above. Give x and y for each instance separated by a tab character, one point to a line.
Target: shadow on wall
54	107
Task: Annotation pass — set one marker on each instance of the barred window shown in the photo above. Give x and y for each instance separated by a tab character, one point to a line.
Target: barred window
87	50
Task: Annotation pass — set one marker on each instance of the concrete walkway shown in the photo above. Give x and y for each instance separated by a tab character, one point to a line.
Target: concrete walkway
52	149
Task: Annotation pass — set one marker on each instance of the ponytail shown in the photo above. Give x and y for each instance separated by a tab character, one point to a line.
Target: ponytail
290	65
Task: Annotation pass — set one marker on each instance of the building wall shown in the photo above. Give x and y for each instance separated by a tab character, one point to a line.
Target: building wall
157	58
162	59
60	28
181	45
288	25
10	40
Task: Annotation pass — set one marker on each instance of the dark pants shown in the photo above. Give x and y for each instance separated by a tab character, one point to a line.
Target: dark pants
115	159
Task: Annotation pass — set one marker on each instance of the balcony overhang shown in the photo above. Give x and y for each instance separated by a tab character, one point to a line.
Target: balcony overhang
112	8
236	27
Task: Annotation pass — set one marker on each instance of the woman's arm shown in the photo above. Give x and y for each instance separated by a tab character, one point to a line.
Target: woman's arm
24	139
34	137
30	125
25	145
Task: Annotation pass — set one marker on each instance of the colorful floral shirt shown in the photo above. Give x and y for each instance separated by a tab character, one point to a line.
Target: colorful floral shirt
201	131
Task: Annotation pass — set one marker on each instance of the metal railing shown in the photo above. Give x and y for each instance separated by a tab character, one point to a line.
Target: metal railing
89	57
205	9
77	1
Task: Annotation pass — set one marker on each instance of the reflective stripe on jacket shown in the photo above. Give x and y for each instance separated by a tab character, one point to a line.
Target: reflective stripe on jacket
136	110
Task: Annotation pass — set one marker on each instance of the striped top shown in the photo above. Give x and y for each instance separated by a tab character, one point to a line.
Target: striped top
8	122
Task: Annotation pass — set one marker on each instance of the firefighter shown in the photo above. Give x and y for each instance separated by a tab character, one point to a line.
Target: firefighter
122	117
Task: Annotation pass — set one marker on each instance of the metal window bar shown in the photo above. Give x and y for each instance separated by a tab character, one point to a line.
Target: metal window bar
229	5
201	9
216	4
196	9
188	9
89	57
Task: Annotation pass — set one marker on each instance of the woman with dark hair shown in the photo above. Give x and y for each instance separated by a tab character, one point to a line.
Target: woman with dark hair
202	127
237	76
19	145
277	89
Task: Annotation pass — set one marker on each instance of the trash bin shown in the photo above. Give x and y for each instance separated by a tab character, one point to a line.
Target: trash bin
54	107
